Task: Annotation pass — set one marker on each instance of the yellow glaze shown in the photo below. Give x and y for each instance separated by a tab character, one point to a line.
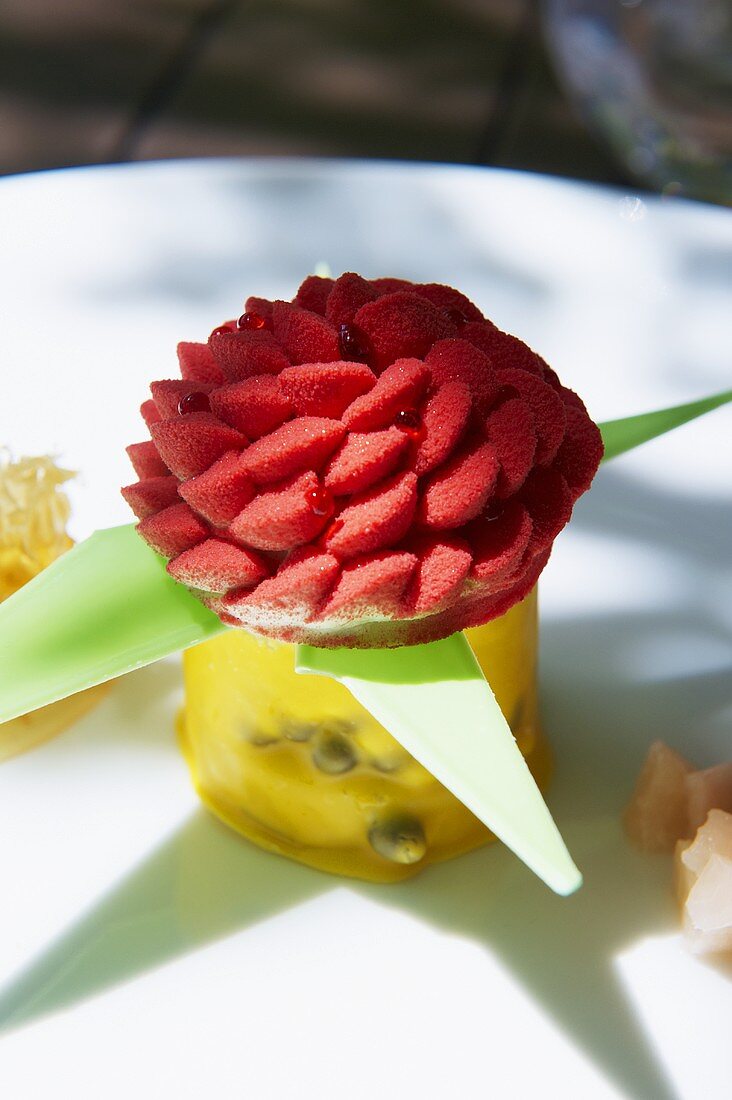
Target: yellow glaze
33	514
298	766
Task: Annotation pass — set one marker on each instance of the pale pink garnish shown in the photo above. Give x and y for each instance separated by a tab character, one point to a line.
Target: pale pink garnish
704	883
656	816
707	790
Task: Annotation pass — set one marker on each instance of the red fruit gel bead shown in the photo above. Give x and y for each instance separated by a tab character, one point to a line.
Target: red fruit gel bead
320	501
410	422
228	327
250	321
354	343
195	402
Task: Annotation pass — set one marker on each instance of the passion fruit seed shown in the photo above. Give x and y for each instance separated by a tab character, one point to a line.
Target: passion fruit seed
299	731
399	839
262	738
334	754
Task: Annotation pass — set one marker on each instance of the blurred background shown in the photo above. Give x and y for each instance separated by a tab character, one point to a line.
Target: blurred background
620	91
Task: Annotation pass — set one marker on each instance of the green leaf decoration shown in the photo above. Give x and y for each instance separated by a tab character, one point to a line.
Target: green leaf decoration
105	607
623	435
436	702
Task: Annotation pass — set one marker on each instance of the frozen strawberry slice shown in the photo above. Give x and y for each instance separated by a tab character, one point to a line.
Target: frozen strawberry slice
146	460
375	519
326	389
173	530
300	444
459	361
152	494
402	326
459	490
444	419
549	502
169	393
499	544
547	408
243	354
190	444
299	585
306	337
510	429
217	566
580	452
349	293
220	493
444	564
313	294
281	517
399	387
254	407
363	459
197	363
449	300
371	586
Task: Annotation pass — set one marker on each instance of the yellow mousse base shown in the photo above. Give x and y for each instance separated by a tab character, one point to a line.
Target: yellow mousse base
295	764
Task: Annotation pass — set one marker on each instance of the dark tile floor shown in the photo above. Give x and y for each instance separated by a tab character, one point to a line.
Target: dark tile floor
468	81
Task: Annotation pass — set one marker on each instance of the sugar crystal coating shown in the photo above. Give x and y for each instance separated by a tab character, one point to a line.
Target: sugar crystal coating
373	463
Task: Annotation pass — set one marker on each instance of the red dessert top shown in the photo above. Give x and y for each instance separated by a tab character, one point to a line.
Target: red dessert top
371	464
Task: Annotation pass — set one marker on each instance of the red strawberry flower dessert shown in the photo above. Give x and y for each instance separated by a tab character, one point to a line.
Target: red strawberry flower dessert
371	464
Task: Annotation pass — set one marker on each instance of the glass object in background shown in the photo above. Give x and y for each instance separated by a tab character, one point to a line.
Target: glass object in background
655	78
297	765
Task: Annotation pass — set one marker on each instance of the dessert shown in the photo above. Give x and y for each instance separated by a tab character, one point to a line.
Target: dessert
34	511
368	472
371	464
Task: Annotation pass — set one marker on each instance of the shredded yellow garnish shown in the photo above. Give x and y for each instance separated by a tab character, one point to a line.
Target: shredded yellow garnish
33	514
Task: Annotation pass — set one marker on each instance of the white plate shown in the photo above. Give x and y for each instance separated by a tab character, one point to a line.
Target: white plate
145	950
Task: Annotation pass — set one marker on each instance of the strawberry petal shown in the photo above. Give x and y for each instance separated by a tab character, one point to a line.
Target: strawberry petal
173	530
375	519
326	389
221	492
190	444
150	495
217	566
459	490
254	407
